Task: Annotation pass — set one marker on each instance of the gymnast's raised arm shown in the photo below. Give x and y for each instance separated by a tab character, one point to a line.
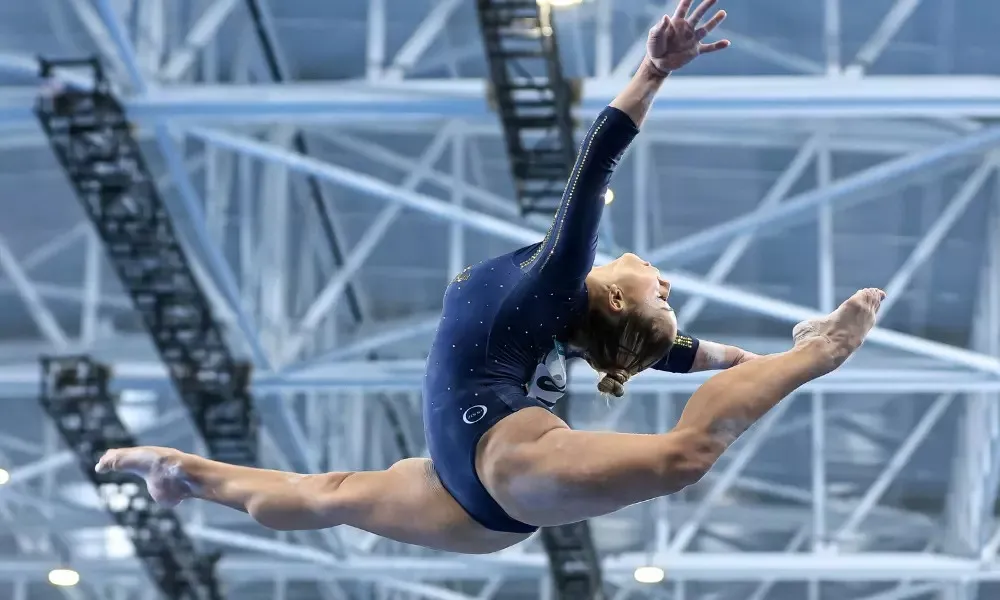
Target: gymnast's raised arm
569	248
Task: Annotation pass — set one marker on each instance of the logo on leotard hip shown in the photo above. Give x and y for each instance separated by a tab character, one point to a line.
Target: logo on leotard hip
474	414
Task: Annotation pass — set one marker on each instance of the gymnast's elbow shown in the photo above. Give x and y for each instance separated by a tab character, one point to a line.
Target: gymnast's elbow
689	455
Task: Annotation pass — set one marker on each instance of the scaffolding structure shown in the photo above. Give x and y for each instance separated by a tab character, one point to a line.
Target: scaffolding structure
74	394
533	102
93	139
532	98
766	188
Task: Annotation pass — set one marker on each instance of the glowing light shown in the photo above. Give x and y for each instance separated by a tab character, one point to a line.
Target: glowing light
4	477
558	3
64	577
609	196
649	575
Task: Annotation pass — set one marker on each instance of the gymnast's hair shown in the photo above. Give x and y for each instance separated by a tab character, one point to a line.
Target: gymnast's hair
620	346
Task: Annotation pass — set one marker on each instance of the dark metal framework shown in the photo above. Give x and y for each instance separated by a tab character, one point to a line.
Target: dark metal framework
532	97
573	559
75	395
534	101
277	71
91	136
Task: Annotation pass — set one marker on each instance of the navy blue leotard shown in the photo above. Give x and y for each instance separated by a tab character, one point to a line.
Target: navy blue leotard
503	317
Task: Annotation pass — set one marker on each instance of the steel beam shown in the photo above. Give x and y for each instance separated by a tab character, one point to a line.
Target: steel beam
831	35
725	264
887	29
682	282
17	380
853	189
456	232
375	40
895	465
327	298
40	313
765	586
707	566
709	98
936	234
91	21
91	289
421	39
201	33
186	191
704	97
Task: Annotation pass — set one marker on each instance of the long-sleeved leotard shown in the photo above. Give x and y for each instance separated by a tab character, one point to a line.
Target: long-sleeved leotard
500	344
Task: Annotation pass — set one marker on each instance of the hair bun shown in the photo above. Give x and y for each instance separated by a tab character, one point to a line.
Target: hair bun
613	382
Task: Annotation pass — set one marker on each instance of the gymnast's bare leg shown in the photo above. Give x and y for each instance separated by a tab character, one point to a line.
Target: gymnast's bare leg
539	469
543	473
405	502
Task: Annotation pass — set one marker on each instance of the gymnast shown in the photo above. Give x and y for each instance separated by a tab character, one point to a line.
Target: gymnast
501	464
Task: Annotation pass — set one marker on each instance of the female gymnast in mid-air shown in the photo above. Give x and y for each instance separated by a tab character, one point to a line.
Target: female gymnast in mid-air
501	465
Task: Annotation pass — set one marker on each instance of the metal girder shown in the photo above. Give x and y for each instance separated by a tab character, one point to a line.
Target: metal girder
191	206
327	298
533	99
28	291
75	395
936	234
976	468
421	39
895	465
408	375
707	98
92	140
887	29
277	69
200	34
751	444
853	189
375	40
729	258
701	566
574	562
681	281
831	35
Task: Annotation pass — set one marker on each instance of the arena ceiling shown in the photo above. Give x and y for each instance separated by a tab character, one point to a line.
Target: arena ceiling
837	145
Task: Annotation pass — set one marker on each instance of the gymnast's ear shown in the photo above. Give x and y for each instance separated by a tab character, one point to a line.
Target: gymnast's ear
616	299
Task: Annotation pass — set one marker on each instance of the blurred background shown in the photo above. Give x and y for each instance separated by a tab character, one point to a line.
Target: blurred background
254	214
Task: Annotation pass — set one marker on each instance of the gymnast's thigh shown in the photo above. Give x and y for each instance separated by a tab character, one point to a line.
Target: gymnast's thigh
454	425
545	474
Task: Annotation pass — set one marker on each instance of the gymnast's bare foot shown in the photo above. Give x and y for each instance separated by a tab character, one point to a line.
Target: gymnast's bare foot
842	331
166	481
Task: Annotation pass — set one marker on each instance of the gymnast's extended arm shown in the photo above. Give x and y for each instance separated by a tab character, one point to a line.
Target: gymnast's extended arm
567	253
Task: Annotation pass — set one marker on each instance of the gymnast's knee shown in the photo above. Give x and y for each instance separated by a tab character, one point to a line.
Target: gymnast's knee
689	455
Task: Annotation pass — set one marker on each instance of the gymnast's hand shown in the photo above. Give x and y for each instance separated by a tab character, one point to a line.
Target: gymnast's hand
675	41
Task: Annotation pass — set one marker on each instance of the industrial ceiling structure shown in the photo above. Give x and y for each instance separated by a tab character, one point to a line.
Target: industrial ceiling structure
330	166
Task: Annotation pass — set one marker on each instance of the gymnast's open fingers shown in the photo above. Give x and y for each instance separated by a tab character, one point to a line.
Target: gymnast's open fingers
699	13
682	9
713	47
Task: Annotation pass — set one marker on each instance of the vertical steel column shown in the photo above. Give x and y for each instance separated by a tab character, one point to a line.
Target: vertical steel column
826	267
640	185
456	231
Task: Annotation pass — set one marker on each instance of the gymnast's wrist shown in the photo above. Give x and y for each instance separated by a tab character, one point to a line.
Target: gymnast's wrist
651	70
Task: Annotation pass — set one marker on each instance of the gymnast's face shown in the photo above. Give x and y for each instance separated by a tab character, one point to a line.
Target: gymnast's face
636	285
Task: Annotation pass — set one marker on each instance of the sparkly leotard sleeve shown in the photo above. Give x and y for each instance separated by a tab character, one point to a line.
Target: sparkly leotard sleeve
567	253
